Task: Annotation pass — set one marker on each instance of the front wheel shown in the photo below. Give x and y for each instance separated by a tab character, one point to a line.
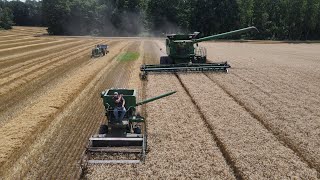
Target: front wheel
103	129
143	76
164	60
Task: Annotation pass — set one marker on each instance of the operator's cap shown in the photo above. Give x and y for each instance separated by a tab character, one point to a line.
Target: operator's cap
115	93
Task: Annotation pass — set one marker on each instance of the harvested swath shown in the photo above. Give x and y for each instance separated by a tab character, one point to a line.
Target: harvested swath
180	144
3	33
58	150
29	30
5	72
15	101
41	67
22	43
20	131
109	77
13	82
18	40
12	59
256	153
29	47
15	40
28	33
8	36
279	84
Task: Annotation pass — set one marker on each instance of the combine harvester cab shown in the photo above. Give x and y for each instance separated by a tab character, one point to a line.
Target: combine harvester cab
99	50
119	143
185	55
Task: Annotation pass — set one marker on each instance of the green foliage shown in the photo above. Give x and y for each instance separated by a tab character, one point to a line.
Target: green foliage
276	19
281	19
6	18
57	13
94	17
35	16
220	16
28	13
246	11
128	56
162	16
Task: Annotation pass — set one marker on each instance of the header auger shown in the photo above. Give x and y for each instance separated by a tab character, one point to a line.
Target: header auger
184	54
117	139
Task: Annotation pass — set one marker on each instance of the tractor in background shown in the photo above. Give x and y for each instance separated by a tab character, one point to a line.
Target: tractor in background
99	50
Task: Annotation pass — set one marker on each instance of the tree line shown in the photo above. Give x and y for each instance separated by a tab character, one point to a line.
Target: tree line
276	19
28	13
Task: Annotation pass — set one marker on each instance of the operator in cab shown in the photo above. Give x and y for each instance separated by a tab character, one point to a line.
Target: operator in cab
119	106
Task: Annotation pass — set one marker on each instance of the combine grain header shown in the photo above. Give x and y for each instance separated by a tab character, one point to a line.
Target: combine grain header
184	54
124	142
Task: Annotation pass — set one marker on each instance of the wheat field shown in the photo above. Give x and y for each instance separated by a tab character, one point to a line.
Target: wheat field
259	121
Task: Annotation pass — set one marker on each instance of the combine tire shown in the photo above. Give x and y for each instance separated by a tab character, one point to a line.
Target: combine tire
143	76
103	129
164	60
137	130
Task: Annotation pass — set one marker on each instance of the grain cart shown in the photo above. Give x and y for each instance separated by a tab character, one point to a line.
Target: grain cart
99	50
184	54
120	143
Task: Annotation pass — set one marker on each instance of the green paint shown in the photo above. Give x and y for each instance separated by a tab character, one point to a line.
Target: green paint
128	56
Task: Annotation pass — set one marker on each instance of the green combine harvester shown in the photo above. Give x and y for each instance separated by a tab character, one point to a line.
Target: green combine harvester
184	54
125	138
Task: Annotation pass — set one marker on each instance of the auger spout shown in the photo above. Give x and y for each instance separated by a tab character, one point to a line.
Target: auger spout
226	34
155	98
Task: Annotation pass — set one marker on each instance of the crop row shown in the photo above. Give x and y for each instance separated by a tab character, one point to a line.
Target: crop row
20	131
